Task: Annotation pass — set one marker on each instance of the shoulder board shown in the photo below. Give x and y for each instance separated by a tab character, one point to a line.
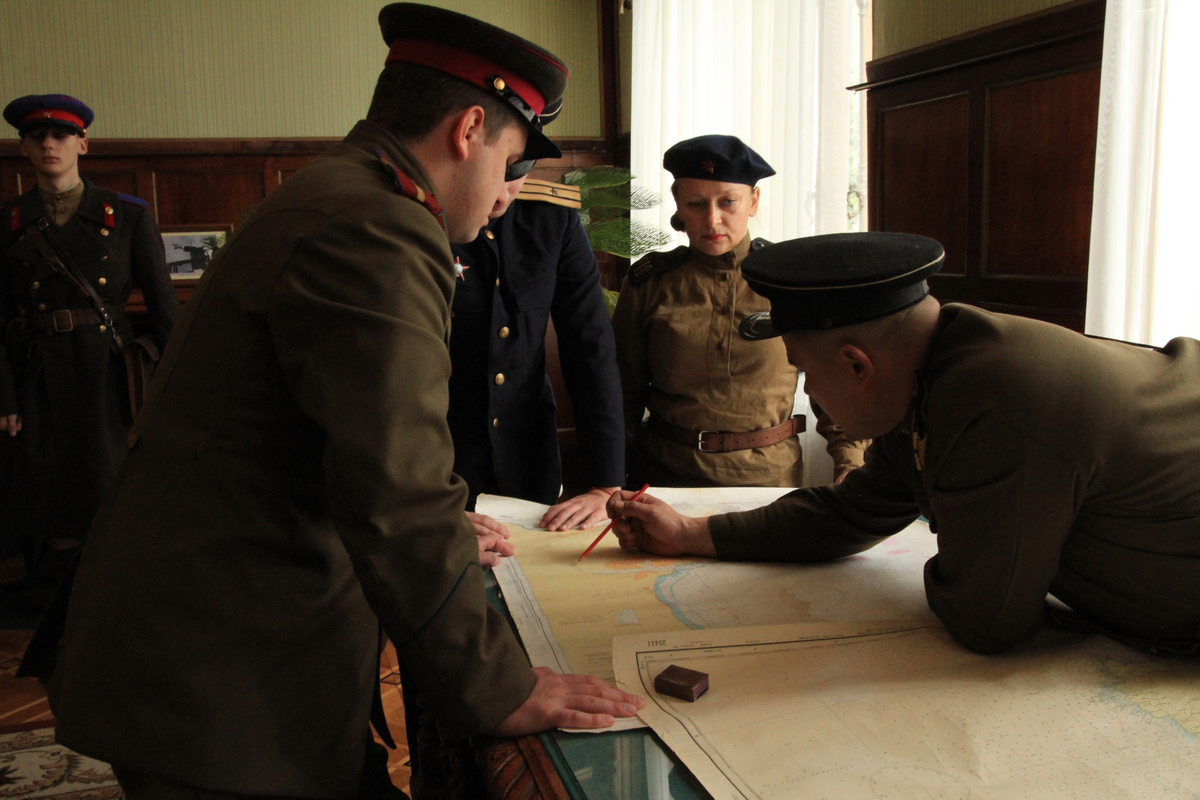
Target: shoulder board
128	198
560	194
656	264
408	187
759	244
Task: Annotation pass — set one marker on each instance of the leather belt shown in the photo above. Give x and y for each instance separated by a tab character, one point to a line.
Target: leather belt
725	441
63	320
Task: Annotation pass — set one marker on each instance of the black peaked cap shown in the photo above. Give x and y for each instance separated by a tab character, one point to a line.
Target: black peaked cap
839	279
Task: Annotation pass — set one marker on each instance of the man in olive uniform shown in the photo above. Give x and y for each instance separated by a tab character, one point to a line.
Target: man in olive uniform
64	403
288	492
532	263
1046	462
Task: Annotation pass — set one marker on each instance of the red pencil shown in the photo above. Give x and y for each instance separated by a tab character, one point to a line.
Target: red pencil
636	495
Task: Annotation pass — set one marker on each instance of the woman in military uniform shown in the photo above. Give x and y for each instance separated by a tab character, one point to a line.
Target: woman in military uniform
720	410
64	403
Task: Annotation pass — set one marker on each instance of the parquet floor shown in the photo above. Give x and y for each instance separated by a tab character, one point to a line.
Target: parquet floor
22	700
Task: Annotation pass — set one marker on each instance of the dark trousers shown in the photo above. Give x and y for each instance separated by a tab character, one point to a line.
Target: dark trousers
376	784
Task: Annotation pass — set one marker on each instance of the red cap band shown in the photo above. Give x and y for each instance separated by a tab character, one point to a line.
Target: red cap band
54	113
471	67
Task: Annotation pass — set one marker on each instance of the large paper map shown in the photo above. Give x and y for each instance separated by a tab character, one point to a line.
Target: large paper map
827	701
568	611
851	712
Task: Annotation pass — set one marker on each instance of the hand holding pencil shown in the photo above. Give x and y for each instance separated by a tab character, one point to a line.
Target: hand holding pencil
643	522
609	527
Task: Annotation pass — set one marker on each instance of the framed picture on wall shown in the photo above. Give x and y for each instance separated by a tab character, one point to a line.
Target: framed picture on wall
189	249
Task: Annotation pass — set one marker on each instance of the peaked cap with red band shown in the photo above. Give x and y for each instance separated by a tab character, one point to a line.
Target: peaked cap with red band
517	71
48	110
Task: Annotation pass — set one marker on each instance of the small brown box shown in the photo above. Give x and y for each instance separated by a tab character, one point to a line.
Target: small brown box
686	684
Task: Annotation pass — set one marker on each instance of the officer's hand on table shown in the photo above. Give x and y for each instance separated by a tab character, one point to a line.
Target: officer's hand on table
652	526
582	511
568	701
493	539
10	423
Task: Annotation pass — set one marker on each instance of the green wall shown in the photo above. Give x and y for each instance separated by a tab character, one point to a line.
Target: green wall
900	25
252	68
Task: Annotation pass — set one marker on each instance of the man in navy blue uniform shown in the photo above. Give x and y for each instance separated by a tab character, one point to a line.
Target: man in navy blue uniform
533	262
64	403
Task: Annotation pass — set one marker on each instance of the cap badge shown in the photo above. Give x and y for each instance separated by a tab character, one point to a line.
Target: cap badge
707	166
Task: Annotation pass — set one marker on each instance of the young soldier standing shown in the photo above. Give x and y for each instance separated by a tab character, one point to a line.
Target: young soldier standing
64	402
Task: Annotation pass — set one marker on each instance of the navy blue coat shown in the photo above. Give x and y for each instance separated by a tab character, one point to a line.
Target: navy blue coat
531	264
70	388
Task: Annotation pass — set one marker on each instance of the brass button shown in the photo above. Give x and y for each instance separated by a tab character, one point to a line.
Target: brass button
37	284
499	378
102	281
41	306
496	422
499	83
104	258
497	281
103	328
108	209
504	332
489	234
104	231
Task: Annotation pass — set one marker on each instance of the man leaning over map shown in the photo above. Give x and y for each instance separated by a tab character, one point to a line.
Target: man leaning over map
1047	462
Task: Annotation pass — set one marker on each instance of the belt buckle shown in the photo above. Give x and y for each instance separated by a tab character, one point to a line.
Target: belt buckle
700	443
62	314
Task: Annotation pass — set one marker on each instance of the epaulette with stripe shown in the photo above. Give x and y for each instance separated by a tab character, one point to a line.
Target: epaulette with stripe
408	187
129	198
560	194
656	264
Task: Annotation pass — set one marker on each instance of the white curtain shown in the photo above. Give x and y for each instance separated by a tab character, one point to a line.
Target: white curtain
1144	272
773	73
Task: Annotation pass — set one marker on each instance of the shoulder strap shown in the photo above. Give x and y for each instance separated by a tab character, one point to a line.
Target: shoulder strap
39	230
559	194
408	187
656	264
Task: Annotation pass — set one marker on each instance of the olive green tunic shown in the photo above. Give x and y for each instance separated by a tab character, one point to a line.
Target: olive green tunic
288	490
1046	462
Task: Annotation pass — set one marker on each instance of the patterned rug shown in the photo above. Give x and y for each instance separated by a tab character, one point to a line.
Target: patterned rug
32	765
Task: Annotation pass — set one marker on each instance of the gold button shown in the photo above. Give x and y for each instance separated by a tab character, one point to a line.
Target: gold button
36	284
499	378
41	306
496	422
499	84
104	258
102	281
104	231
489	234
108	209
103	328
504	332
497	281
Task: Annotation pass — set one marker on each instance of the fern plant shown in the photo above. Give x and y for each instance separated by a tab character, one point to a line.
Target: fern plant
607	197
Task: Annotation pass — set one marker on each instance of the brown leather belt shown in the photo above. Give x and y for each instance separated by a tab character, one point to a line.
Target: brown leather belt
724	441
63	320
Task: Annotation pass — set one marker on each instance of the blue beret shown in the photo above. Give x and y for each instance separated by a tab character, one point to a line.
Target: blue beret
524	75
840	279
716	158
46	110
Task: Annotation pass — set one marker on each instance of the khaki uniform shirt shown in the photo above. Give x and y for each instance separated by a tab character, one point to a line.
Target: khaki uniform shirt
681	357
1046	462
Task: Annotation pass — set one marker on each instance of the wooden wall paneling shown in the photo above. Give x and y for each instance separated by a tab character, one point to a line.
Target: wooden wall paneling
208	190
922	162
1010	114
